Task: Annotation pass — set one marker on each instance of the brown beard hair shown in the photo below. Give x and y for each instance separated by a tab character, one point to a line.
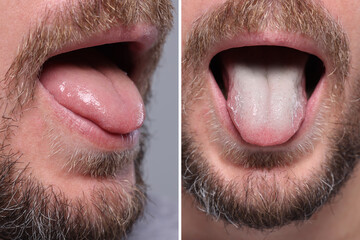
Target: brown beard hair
256	202
31	210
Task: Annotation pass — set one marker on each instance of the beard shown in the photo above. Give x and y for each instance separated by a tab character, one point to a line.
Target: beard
263	202
31	209
263	198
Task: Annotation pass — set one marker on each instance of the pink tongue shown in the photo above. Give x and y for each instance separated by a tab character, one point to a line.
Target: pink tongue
90	85
266	96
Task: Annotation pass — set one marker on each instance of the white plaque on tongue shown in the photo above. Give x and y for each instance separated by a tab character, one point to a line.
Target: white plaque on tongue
266	96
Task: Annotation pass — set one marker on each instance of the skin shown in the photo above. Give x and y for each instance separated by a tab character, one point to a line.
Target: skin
333	221
15	24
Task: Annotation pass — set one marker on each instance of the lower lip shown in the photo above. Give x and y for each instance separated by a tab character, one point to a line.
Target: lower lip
95	135
312	111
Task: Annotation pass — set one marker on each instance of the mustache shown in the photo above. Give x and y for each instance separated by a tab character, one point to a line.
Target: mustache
235	17
70	22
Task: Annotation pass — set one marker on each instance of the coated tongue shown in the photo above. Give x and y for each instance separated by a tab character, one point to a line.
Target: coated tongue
90	85
266	96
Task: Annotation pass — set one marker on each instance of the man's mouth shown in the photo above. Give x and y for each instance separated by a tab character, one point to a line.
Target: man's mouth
270	94
95	87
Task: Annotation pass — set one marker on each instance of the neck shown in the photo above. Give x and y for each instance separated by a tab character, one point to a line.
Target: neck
338	219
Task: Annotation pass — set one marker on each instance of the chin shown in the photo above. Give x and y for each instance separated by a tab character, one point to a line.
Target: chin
263	196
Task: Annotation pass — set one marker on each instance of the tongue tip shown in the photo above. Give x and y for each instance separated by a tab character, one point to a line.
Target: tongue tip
266	137
121	125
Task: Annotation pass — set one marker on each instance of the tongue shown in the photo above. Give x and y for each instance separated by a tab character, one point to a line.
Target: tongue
266	96
91	86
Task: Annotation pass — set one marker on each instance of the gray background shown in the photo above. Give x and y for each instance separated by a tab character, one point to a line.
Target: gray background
160	221
161	159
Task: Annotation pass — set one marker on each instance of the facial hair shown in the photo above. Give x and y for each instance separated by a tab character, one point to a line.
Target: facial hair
264	202
31	210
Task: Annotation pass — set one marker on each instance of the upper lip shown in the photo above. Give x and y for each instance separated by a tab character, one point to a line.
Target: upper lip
140	39
269	38
144	36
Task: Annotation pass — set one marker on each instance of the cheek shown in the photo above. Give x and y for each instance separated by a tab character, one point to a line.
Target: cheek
192	10
347	13
16	18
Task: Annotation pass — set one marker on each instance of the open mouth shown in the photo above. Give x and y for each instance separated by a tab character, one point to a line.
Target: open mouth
95	88
119	54
268	90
